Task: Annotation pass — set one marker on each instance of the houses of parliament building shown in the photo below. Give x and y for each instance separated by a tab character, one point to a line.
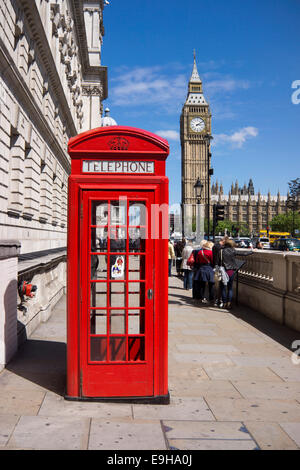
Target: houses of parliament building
242	205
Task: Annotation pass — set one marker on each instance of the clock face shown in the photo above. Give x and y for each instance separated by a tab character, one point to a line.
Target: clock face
197	124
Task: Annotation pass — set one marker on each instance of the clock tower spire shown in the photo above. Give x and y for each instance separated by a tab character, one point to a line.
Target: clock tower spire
195	134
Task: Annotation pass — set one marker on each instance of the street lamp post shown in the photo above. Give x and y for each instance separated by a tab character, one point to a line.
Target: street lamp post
207	139
292	204
198	191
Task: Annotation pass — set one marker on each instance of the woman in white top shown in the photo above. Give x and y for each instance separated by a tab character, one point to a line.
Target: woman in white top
187	271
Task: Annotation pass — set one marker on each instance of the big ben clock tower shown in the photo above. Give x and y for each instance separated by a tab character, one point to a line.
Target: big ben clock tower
195	135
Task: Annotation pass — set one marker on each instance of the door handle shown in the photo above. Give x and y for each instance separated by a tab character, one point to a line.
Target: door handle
150	294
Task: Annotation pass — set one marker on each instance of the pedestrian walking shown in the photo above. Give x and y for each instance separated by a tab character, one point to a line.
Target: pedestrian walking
217	263
229	263
178	248
171	256
187	270
205	273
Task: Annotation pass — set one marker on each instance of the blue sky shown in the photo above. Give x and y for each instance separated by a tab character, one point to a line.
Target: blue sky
247	55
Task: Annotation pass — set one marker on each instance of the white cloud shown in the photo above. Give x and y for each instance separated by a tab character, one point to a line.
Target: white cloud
226	85
237	139
168	134
142	86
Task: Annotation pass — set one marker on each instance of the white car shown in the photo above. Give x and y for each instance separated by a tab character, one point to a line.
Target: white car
244	242
265	241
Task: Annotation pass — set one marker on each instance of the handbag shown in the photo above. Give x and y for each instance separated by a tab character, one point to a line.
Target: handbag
217	271
217	274
191	261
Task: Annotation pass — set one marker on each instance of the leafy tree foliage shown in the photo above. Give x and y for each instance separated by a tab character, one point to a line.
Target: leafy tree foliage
286	222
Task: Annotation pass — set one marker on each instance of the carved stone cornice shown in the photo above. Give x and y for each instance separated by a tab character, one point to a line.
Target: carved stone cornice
92	90
89	72
38	35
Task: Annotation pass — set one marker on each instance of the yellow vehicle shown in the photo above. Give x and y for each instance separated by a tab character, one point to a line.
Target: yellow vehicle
273	235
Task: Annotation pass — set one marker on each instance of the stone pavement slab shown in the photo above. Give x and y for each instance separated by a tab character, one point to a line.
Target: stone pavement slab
289	373
277	390
197	435
232	386
187	408
234	372
203	359
268	410
209	348
212	444
56	405
270	436
7	425
202	388
205	430
130	435
21	402
50	433
293	430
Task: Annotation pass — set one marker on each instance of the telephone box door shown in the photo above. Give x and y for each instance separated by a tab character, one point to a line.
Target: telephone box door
117	318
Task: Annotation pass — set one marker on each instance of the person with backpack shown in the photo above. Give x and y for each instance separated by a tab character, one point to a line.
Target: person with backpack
204	272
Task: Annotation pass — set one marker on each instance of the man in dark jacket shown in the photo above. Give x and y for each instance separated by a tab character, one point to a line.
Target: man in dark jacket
218	262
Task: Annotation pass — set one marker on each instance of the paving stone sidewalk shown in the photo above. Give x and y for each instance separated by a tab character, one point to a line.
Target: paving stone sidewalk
232	383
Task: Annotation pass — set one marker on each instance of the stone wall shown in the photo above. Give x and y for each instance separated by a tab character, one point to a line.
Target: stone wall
45	71
51	88
9	250
48	273
269	282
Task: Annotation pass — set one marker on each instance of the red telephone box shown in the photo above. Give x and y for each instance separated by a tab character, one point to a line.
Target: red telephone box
117	290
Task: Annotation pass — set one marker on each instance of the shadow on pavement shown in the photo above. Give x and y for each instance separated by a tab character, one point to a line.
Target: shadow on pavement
43	363
280	333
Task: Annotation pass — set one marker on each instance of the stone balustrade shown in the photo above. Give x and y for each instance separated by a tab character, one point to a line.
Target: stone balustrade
269	282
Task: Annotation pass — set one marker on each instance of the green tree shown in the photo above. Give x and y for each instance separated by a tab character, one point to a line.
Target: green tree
294	188
223	225
243	229
286	222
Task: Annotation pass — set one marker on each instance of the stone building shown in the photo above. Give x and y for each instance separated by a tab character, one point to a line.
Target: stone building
52	85
195	127
241	204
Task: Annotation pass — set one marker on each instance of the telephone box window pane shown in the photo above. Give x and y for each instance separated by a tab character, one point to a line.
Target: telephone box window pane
98	322
99	213
98	294
118	212
117	237
136	321
136	348
117	349
136	295
136	268
137	213
117	294
117	323
98	239
137	239
98	348
98	267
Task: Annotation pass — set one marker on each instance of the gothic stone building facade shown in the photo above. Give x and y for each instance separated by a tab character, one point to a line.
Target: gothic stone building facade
243	206
51	88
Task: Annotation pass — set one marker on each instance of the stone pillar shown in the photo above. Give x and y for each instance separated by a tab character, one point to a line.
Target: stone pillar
9	250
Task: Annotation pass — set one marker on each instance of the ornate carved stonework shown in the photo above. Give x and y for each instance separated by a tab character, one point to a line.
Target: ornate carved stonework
92	90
